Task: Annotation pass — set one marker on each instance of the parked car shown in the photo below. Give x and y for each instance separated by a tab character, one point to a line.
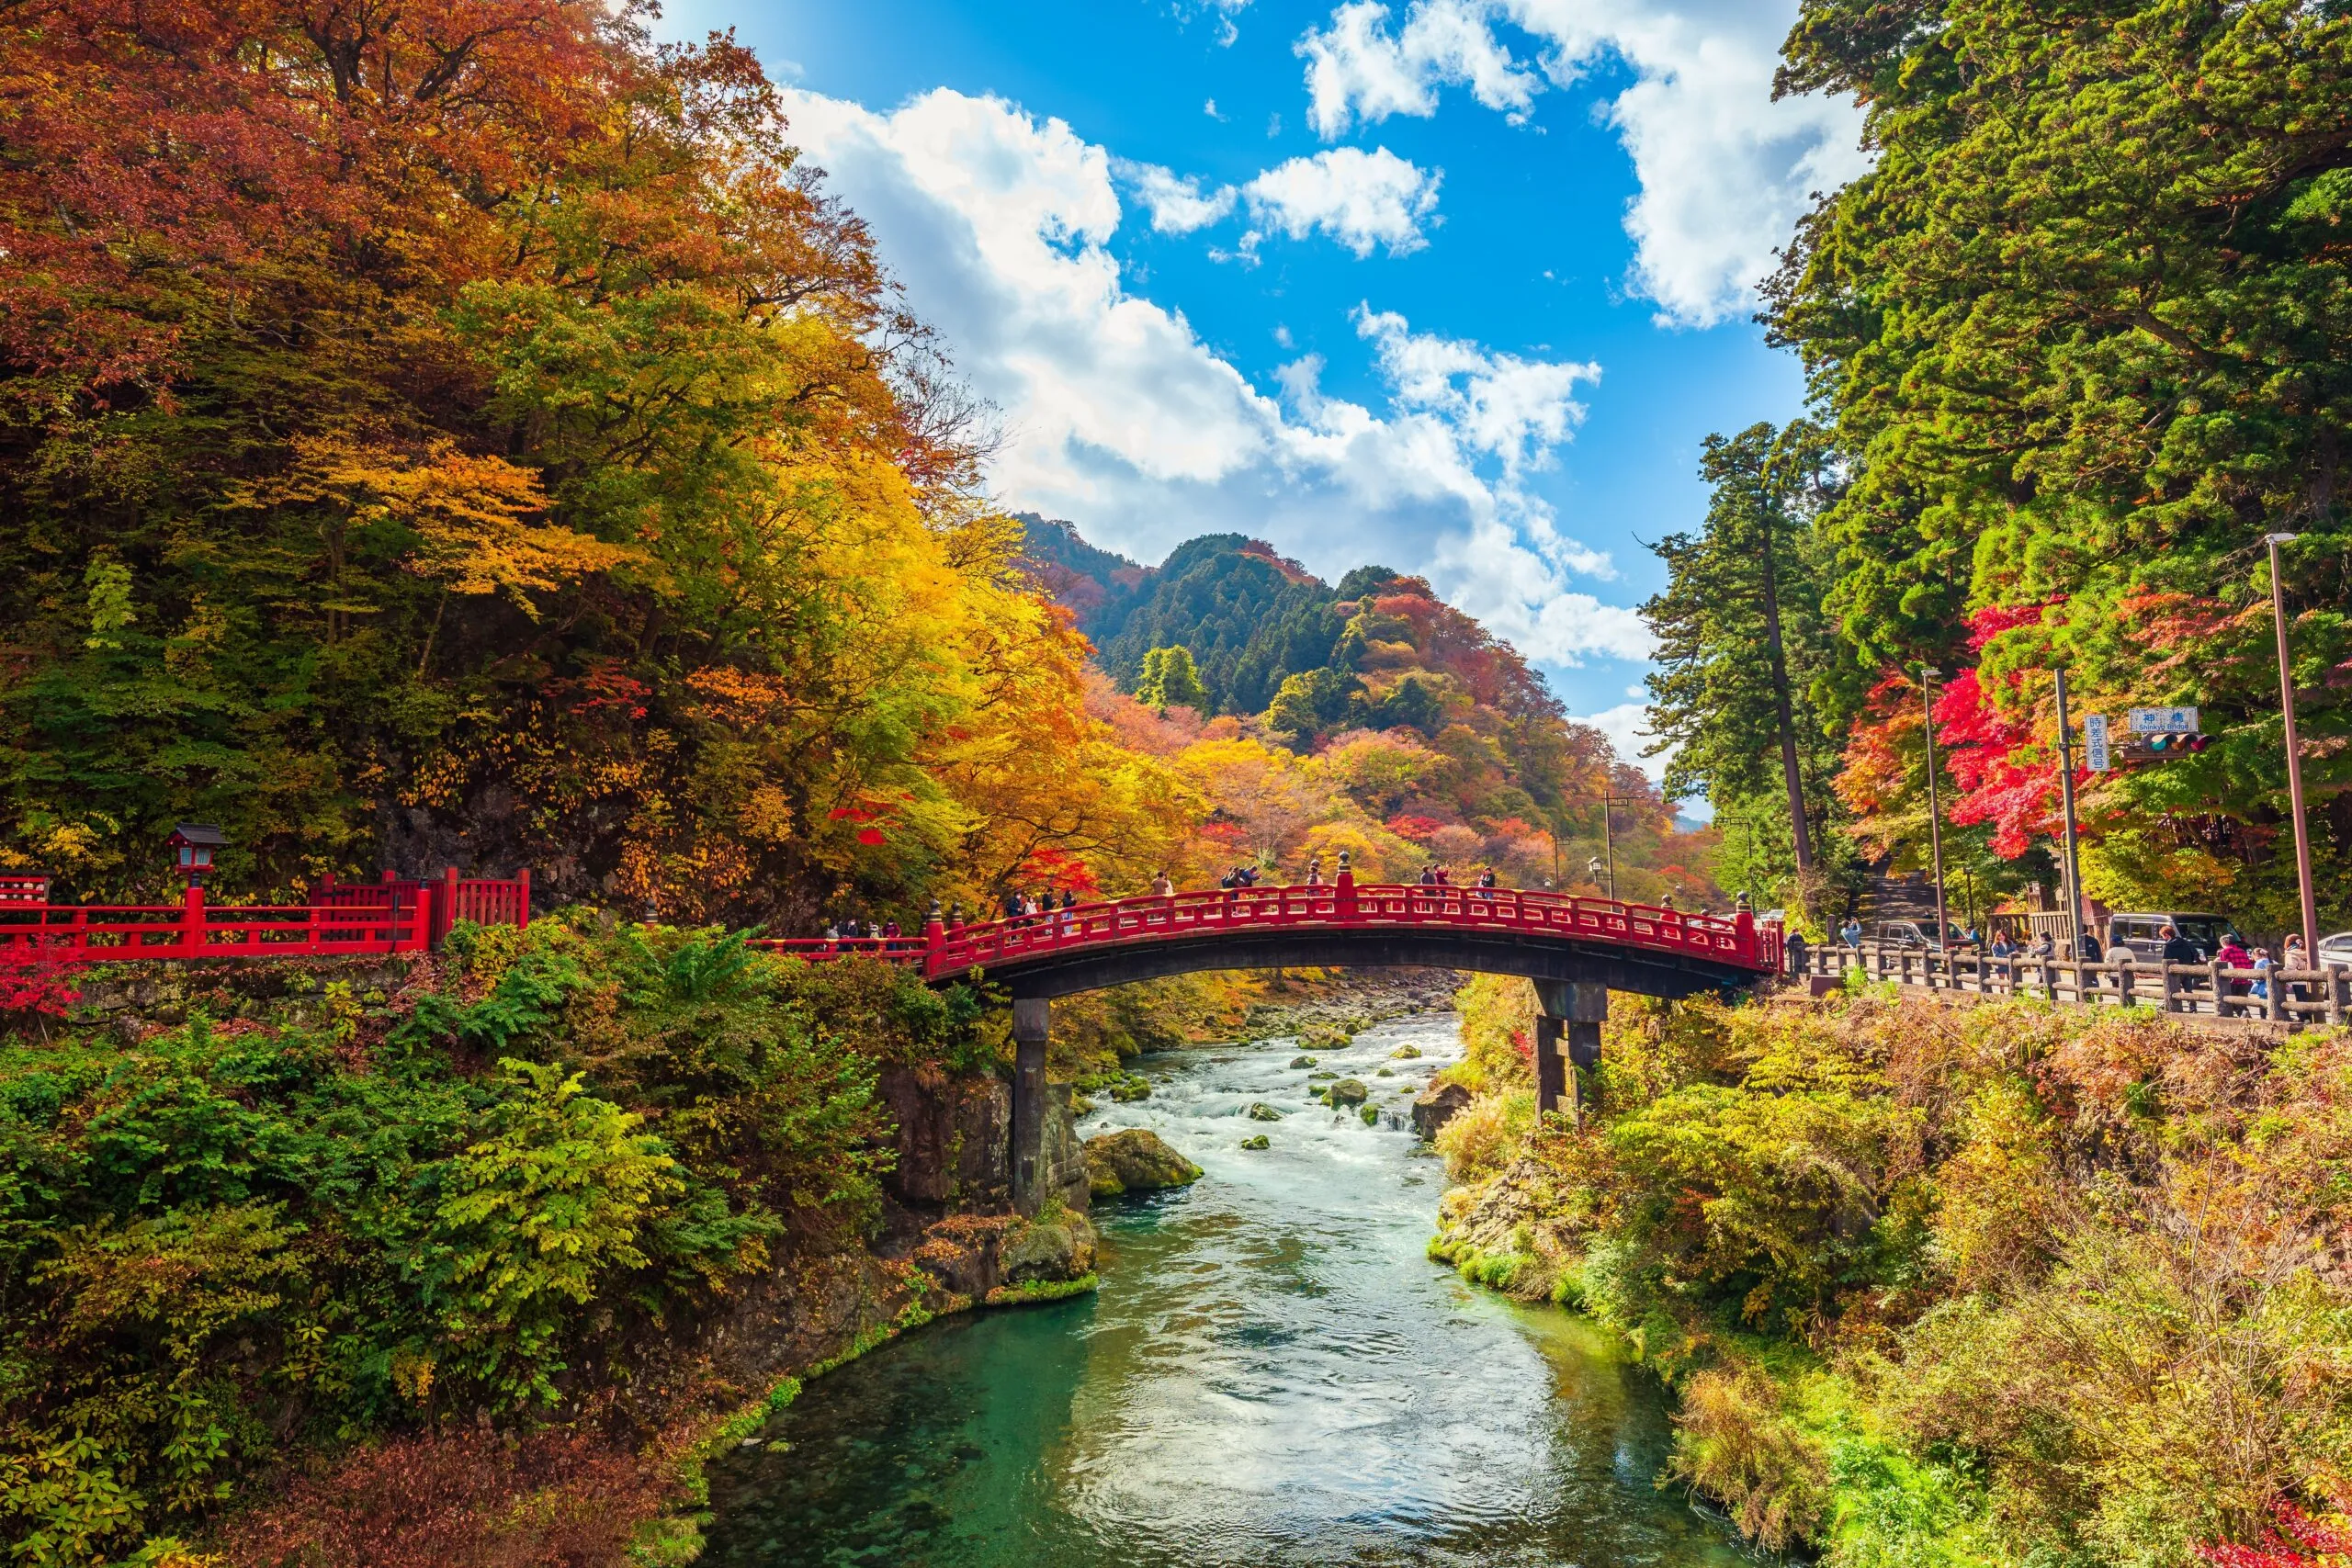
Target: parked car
2143	933
1908	935
2335	952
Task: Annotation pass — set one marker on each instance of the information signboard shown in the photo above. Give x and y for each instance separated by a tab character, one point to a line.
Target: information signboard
2163	721
2095	743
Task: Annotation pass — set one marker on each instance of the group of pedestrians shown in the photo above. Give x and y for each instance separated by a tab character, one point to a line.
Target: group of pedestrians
858	930
1022	907
1044	905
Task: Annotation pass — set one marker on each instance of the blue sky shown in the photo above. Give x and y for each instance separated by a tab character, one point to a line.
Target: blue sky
1456	286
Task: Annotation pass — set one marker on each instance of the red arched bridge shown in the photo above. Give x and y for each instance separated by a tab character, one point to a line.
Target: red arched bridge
1575	949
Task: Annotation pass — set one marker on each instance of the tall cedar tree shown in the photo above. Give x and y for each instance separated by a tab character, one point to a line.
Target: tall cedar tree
1742	642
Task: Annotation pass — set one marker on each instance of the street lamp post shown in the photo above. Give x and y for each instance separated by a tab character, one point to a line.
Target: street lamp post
2072	868
1928	676
2294	756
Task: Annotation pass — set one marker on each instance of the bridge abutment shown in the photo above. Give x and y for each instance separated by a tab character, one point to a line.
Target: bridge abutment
1032	1022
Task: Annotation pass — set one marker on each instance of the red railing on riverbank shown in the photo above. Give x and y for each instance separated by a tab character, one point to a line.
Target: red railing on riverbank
485	900
66	934
1735	940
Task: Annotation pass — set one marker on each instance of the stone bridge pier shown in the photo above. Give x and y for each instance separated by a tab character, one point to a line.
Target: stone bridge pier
1033	1021
1567	1036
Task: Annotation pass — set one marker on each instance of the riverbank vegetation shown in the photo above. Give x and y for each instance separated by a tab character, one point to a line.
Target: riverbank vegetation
332	1245
1970	1285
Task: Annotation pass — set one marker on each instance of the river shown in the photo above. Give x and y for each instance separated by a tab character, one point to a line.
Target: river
1272	1374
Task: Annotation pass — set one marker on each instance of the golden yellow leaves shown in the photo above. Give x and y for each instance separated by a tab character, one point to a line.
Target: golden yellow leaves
474	522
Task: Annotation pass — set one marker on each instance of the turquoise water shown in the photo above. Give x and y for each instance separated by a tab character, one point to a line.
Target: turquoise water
1272	1374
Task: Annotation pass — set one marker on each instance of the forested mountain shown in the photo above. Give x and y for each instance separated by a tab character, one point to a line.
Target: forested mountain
1427	736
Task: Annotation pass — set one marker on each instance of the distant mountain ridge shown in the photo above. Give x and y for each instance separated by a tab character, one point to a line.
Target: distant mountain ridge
1251	617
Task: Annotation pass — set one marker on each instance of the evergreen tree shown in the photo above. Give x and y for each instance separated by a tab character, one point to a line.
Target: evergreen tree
1742	641
1171	679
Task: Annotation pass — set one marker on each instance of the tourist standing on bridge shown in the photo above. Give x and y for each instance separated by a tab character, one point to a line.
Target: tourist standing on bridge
1486	883
1162	886
1428	875
1315	871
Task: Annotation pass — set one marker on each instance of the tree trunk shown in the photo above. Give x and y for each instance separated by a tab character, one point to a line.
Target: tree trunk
1782	707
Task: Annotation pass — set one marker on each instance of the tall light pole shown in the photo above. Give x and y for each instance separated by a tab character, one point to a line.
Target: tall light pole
2294	756
2073	869
1929	674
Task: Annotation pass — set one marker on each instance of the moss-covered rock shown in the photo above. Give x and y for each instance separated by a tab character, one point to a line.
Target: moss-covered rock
1134	1160
1302	1061
1261	1111
1406	1054
1058	1246
1350	1091
1259	1142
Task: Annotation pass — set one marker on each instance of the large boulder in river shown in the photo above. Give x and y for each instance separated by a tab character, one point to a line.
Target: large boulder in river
1437	1106
1136	1160
1053	1249
1350	1091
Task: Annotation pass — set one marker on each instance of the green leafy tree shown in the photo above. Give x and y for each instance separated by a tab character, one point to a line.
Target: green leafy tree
1312	702
535	1217
1171	679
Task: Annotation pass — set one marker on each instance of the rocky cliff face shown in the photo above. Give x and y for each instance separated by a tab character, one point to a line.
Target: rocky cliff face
955	1144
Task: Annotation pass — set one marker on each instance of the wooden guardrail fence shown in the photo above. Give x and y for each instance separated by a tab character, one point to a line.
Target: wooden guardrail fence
2293	996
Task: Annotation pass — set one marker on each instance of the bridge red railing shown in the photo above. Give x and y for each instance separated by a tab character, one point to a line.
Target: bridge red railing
1735	939
485	900
46	934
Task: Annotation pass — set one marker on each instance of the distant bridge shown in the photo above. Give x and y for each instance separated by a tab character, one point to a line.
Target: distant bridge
1575	949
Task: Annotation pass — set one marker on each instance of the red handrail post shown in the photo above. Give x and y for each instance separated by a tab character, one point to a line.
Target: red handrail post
523	915
1743	925
1343	895
192	920
421	928
445	908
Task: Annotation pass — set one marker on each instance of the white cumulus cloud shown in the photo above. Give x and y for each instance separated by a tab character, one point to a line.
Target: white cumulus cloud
1177	203
1513	409
1121	419
1628	727
1359	67
1723	171
1362	199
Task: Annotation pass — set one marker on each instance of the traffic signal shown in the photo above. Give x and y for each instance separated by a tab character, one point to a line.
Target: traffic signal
2163	746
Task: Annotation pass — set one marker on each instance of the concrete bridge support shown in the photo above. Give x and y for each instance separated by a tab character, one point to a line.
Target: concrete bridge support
1032	1021
1567	1036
